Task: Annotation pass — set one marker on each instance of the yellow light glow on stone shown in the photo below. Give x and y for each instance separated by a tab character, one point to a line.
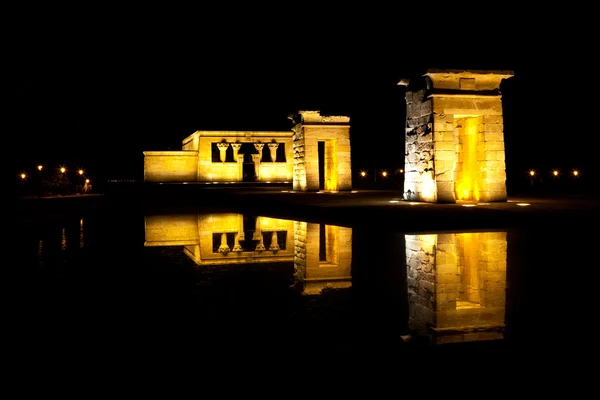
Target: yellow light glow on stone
467	184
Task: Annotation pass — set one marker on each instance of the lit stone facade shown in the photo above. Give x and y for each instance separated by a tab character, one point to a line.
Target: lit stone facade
454	138
277	157
329	134
457	285
321	254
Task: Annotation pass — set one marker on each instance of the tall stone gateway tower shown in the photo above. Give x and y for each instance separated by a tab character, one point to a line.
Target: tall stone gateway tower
454	138
321	152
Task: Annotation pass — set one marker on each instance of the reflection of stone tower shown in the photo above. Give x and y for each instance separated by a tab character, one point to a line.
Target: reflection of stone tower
322	256
457	285
455	137
314	133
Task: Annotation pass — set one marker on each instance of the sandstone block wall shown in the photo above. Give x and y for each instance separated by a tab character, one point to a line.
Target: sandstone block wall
454	137
170	166
334	131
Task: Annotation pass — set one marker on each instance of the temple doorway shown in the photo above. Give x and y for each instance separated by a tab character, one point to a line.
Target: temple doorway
248	167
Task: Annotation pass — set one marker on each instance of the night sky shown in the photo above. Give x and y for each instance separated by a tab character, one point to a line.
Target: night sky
94	88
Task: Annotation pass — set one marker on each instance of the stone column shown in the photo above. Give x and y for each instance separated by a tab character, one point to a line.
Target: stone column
239	158
274	245
222	150
224	247
256	161
236	148
257	235
236	244
273	149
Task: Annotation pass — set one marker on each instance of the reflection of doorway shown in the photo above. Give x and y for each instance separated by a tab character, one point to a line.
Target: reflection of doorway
248	169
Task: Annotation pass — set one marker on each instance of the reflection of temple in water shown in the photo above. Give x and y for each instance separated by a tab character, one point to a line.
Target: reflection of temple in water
457	285
322	254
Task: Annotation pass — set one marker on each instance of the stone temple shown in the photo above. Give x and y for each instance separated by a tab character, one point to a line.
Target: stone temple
454	145
454	138
314	155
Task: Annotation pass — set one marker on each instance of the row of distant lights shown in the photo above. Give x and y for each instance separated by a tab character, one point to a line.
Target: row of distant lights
555	172
531	173
383	173
62	170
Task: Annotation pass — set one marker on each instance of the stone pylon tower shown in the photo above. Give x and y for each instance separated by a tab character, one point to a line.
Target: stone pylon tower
454	138
321	152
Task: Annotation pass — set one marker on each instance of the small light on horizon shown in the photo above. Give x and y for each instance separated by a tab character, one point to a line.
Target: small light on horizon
575	172
63	169
23	176
87	181
555	172
532	172
363	173
39	167
384	173
80	172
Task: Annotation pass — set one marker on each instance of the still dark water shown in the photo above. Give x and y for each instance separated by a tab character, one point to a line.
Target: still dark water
119	283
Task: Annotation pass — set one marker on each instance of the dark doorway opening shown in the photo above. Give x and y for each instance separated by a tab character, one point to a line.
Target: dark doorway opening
321	150
248	170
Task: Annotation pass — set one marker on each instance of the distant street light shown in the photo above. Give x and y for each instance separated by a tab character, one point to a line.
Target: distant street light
575	172
80	172
39	167
23	176
555	173
63	169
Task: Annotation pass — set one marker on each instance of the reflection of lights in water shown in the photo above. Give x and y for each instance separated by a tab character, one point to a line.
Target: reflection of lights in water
63	240
469	205
81	242
394	201
284	191
354	191
414	203
523	204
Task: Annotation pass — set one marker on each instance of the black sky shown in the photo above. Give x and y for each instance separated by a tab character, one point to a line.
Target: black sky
96	87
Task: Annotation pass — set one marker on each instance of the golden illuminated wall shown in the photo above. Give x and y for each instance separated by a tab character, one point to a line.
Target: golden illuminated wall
457	285
170	166
232	170
322	256
454	138
216	238
310	128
